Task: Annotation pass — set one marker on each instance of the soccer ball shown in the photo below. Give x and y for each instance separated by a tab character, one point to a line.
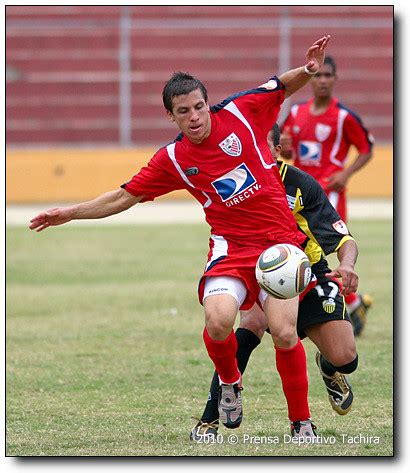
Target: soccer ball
283	271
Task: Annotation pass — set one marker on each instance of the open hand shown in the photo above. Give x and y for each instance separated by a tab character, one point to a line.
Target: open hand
49	218
315	55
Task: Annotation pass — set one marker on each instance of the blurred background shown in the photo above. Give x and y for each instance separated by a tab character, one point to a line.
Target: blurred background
83	84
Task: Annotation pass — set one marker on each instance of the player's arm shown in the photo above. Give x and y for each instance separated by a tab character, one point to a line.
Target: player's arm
295	79
317	218
338	180
357	135
347	256
322	224
109	203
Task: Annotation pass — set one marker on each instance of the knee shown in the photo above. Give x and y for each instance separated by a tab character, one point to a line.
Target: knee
345	359
349	367
218	328
255	322
285	338
220	313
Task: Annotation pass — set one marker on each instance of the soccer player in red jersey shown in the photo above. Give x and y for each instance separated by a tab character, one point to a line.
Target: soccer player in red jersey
222	158
317	135
322	313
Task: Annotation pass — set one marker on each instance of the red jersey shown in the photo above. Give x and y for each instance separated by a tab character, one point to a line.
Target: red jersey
321	142
231	173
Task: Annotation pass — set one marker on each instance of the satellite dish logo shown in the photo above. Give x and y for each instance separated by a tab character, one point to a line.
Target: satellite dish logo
310	153
234	182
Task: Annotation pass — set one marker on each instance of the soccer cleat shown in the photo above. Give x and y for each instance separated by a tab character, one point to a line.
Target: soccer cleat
359	315
230	405
204	431
339	390
303	429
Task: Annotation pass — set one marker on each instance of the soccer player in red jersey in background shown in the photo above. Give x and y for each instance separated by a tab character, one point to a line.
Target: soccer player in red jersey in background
223	160
317	135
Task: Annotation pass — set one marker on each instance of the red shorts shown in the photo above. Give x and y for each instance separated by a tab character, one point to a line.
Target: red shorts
236	260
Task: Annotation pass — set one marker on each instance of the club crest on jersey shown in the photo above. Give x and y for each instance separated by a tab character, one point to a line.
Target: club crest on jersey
329	305
310	153
341	227
234	182
322	132
271	84
231	145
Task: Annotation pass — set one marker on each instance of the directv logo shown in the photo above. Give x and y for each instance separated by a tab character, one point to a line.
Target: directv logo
310	153
234	182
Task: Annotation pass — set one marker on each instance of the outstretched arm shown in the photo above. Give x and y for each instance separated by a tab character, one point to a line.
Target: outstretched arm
105	205
347	255
295	79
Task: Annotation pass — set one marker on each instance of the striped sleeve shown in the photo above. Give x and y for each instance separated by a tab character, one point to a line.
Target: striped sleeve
155	179
355	132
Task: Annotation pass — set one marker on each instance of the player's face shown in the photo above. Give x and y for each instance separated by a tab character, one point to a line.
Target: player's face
275	150
323	82
191	113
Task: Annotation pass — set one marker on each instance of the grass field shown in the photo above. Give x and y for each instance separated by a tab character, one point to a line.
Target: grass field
105	354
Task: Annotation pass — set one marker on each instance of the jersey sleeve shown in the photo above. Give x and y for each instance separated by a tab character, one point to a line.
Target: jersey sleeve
356	134
317	217
262	105
155	179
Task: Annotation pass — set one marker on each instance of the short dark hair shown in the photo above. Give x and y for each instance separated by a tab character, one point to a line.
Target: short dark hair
276	135
181	83
329	60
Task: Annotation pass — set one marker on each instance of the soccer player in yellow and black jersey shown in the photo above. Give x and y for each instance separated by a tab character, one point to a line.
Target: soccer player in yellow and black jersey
322	312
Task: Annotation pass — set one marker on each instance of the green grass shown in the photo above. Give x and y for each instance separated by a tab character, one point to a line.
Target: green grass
105	354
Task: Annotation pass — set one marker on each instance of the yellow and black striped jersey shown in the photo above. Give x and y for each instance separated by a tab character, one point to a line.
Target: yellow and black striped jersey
314	214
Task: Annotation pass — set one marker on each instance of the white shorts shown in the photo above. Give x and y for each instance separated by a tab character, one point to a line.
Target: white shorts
215	285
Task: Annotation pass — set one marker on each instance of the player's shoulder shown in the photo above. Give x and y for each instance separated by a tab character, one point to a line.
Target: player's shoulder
302	104
292	175
178	139
299	106
349	111
164	150
272	85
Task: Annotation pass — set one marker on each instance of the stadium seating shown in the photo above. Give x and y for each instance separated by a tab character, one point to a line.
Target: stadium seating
63	67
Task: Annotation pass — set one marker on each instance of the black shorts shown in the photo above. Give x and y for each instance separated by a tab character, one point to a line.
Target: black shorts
321	304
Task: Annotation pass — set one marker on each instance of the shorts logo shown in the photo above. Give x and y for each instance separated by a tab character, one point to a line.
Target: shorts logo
322	132
341	227
231	145
329	306
310	153
234	182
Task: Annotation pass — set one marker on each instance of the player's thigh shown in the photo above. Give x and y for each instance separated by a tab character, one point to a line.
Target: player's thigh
254	320
281	315
335	340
